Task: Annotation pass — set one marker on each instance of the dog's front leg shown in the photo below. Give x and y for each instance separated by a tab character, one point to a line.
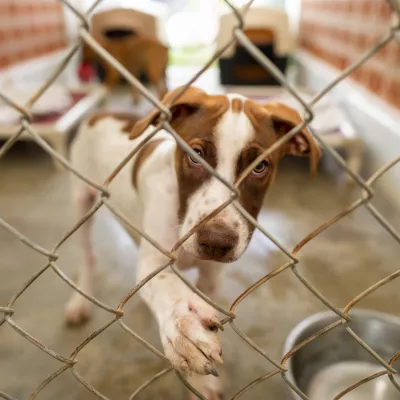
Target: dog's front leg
208	282
209	279
188	325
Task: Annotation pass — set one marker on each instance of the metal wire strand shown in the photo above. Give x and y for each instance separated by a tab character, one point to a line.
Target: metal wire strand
291	266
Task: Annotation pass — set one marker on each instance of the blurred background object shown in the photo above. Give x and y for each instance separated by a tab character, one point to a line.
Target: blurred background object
268	28
134	37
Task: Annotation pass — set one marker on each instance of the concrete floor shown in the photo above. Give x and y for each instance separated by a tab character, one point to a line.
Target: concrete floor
342	262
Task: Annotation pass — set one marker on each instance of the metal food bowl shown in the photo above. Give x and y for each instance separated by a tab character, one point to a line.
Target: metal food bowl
334	361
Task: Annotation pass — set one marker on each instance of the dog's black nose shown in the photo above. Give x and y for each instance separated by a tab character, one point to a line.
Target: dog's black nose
216	241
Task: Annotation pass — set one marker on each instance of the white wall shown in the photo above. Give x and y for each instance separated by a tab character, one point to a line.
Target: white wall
376	122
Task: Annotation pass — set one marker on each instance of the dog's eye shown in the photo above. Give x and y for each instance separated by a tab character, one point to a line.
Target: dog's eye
200	152
260	168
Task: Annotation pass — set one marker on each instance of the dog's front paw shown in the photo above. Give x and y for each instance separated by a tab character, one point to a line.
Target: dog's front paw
190	337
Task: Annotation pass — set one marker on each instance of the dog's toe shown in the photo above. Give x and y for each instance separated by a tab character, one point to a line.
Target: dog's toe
190	337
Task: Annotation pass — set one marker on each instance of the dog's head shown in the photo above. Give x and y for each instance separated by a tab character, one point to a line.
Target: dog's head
229	132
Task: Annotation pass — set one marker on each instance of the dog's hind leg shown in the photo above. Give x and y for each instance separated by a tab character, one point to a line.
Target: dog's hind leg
78	308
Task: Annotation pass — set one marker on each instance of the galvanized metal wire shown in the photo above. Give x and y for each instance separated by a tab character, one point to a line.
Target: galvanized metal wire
69	362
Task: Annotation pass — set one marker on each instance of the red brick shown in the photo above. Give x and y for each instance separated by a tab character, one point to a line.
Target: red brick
384	10
4	61
372	40
346	35
25	9
367	8
393	93
361	42
356	8
344	62
51	11
375	83
395	100
342	34
357	74
345	8
387	53
20	34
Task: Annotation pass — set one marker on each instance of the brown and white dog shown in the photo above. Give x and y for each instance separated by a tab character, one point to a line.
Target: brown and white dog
165	193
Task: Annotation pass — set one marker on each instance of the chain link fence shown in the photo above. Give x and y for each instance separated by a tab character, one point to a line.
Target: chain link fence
104	200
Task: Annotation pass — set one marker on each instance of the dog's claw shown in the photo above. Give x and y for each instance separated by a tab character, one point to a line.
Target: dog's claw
189	343
214	372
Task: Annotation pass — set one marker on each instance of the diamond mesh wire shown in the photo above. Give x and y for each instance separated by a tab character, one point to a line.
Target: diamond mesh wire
68	362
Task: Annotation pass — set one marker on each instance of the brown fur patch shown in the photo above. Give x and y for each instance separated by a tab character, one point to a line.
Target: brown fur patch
270	122
282	118
237	106
198	129
286	118
253	189
144	152
129	119
194	117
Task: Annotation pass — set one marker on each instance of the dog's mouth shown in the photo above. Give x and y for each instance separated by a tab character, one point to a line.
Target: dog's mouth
216	254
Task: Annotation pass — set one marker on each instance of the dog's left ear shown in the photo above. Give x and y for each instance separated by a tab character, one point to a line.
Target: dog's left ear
285	118
186	104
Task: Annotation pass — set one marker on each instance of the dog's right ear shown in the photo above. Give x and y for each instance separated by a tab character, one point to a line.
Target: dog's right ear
186	104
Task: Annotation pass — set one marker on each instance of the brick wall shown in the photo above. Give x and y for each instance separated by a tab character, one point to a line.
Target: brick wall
339	31
30	28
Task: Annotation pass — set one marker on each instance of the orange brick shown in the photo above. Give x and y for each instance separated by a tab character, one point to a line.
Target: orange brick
384	10
375	83
346	35
4	61
361	41
393	95
345	7
388	53
367	8
344	62
397	53
357	74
